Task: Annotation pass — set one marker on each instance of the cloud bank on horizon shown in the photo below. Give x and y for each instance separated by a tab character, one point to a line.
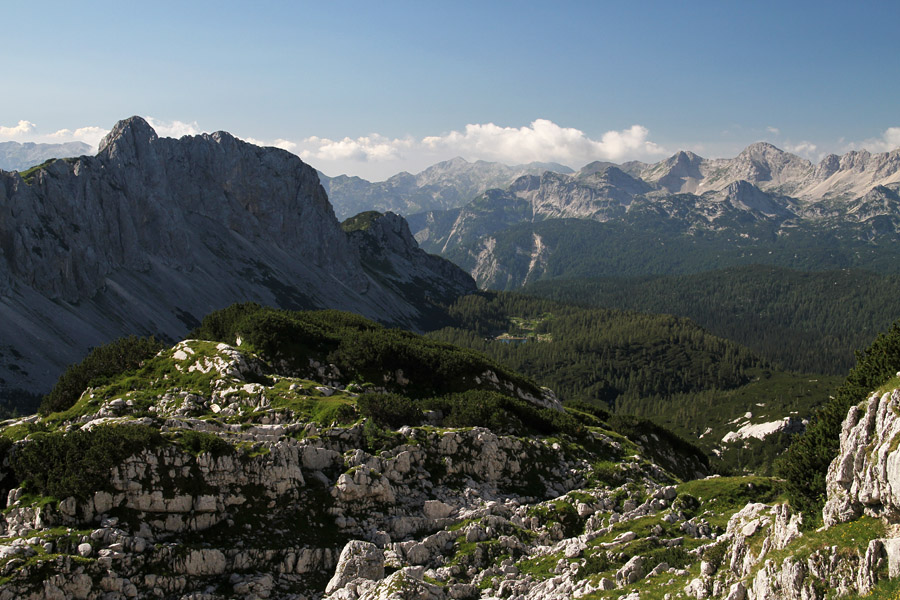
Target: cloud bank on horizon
377	157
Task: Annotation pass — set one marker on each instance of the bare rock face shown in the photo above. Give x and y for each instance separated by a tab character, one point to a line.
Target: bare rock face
445	185
359	560
865	477
386	246
153	233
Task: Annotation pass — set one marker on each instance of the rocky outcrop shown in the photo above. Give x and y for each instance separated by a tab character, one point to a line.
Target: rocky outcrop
390	254
240	495
860	484
153	233
865	477
359	560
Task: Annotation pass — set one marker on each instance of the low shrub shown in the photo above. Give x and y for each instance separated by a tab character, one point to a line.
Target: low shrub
78	463
362	349
502	414
806	461
101	364
200	442
391	410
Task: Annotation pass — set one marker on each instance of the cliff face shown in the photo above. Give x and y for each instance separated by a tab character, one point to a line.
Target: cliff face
153	233
865	477
390	254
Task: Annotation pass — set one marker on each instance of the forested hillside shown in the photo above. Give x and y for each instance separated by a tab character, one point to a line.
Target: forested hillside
655	366
824	316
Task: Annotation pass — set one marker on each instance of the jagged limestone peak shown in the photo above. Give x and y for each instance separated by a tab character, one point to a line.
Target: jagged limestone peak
133	132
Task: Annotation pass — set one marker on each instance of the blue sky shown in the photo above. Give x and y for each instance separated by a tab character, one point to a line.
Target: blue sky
373	88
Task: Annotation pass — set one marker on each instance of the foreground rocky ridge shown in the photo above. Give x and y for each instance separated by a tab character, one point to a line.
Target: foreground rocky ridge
153	233
256	480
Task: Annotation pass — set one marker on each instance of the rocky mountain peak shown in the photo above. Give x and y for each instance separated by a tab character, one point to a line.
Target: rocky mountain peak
686	157
680	172
153	232
456	161
761	149
750	199
595	167
128	137
827	167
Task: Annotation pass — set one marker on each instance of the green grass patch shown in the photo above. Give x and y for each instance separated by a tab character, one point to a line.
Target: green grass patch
540	568
888	386
885	589
29	174
15	433
849	538
721	494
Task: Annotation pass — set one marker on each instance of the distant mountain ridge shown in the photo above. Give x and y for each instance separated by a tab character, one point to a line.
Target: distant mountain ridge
153	233
764	194
15	156
445	185
773	170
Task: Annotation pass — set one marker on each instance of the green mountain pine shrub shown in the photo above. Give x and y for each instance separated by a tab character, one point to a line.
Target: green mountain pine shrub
101	364
78	463
805	464
361	349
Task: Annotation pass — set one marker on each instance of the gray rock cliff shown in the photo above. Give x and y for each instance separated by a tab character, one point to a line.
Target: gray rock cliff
153	233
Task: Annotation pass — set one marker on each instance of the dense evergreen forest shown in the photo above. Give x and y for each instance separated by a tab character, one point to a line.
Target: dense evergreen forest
657	366
803	321
650	246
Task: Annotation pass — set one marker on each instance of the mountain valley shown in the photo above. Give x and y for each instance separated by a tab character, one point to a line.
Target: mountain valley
420	438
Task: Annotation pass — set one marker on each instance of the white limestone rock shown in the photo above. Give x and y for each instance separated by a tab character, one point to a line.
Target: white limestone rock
358	560
865	476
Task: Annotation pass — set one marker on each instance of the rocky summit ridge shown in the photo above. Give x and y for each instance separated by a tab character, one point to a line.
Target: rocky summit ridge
152	233
445	185
239	470
764	199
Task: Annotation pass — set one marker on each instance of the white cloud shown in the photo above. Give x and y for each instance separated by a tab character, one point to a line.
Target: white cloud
16	131
378	156
773	130
285	145
804	148
888	141
371	148
26	131
173	129
89	135
544	140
